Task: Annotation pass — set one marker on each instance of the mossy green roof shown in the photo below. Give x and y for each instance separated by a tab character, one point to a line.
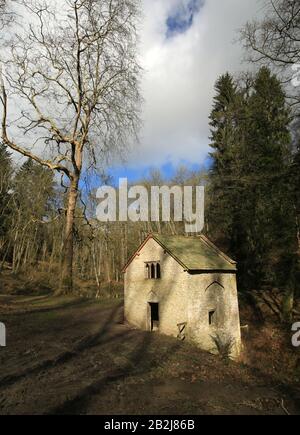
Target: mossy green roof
195	253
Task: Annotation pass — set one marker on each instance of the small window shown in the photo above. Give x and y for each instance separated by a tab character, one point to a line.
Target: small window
158	271
212	317
147	271
152	274
153	271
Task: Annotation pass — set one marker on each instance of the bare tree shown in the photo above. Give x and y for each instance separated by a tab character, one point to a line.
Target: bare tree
7	13
72	79
275	42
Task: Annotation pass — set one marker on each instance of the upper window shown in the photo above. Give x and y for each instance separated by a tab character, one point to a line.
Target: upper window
153	271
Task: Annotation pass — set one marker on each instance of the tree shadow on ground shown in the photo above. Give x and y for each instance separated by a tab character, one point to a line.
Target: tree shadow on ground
138	363
84	344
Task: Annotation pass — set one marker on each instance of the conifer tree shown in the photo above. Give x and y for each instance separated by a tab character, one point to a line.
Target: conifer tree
251	166
5	184
225	140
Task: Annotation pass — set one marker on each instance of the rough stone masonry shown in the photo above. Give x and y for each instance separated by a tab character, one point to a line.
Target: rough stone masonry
184	287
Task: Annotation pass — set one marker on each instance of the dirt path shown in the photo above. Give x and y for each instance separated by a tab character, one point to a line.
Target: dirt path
70	356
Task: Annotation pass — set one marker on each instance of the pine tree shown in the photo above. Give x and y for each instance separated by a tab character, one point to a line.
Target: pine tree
226	139
267	160
251	173
294	183
222	122
33	188
5	184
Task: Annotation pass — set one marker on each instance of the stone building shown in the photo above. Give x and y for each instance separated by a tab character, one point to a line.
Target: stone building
184	287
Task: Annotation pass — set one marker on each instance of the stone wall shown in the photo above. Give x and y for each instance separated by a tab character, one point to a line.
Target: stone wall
170	291
183	298
214	292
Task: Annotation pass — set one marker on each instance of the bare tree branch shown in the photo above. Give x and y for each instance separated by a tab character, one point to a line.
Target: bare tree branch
275	42
72	76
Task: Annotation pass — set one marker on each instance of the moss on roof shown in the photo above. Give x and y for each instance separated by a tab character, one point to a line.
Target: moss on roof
195	253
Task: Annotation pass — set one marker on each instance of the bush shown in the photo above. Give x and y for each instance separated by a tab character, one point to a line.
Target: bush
224	344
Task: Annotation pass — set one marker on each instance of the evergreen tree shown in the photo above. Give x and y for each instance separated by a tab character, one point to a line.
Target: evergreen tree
5	184
223	125
34	194
225	140
267	159
251	170
34	189
294	182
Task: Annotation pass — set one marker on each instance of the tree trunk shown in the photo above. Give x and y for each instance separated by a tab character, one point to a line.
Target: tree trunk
66	281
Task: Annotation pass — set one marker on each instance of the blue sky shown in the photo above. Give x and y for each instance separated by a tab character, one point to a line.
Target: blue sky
168	170
182	18
136	174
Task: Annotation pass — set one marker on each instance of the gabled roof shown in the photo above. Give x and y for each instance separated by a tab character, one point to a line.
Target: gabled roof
193	253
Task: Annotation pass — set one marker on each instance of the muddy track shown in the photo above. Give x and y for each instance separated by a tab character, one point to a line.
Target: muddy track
60	307
86	343
81	359
141	366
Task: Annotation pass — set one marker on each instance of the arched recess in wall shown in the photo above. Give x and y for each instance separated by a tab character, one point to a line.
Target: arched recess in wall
214	303
216	284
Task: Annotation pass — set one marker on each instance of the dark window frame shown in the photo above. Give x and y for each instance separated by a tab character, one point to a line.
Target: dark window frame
212	317
153	270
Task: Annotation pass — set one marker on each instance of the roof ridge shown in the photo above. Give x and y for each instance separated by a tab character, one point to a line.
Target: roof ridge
205	239
184	260
155	236
218	251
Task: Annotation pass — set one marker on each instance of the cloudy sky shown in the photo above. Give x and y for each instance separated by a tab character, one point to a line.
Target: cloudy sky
185	46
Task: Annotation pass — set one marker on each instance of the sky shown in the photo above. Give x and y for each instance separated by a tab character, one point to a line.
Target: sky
185	46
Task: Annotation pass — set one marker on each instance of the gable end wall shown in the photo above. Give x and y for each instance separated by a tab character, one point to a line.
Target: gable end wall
182	298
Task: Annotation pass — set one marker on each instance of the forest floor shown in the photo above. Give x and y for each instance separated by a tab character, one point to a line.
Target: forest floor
75	356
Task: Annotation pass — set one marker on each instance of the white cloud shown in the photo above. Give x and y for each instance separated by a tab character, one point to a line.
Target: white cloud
180	73
179	76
